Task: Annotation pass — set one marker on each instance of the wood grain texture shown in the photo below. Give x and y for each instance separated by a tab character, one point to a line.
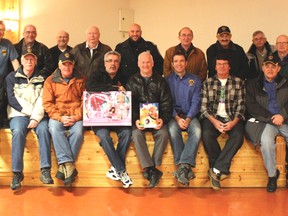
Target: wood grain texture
247	169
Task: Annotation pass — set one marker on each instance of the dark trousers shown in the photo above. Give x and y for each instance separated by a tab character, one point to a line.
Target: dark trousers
221	159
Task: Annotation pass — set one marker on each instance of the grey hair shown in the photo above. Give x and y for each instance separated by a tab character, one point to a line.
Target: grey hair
258	32
112	53
145	53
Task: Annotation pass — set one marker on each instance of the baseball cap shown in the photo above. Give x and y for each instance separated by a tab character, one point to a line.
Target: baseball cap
223	29
66	57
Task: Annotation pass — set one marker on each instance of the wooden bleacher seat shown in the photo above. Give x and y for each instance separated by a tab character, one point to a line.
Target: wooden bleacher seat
247	168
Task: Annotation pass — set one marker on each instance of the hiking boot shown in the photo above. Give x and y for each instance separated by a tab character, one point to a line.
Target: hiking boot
146	174
60	172
155	176
70	173
46	176
191	174
214	179
223	176
182	174
272	182
112	174
125	179
16	181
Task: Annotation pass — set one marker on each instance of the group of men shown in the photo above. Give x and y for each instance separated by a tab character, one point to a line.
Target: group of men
188	101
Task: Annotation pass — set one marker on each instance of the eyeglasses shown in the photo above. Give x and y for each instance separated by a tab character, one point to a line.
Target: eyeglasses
30	32
281	43
111	60
258	39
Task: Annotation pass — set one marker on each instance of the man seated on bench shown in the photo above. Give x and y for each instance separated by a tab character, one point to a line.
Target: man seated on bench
63	101
24	89
111	80
222	110
267	104
186	93
151	90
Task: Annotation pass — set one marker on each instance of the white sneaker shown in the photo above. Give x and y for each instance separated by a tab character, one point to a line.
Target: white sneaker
112	174
125	179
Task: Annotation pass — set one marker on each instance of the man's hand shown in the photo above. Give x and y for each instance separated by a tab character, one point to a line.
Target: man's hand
138	125
228	126
183	123
277	119
159	124
68	120
121	88
32	124
218	125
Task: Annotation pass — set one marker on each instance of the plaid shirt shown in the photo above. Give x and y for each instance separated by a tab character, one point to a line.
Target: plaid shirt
234	97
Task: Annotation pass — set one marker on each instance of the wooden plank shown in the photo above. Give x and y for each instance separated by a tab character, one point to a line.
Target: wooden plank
247	169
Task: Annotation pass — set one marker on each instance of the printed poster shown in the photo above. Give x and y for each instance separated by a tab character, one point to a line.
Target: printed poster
111	108
149	114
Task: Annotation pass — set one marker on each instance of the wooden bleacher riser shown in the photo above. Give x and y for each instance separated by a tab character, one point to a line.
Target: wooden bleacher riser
247	168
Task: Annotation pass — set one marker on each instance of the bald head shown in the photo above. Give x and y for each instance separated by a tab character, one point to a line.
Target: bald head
29	34
135	32
62	39
92	36
282	45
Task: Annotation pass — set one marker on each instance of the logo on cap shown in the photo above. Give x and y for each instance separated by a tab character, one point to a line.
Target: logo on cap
67	55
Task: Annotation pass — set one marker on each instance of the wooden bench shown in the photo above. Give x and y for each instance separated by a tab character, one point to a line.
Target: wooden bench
247	168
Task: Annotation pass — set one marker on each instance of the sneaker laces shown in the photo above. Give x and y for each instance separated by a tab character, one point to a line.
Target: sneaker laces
124	176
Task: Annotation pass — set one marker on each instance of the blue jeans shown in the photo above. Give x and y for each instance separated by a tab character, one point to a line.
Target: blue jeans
268	145
18	126
116	156
67	140
185	153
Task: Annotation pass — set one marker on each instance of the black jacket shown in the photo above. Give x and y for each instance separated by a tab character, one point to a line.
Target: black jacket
102	82
154	90
238	60
56	52
83	61
257	105
45	62
255	68
129	56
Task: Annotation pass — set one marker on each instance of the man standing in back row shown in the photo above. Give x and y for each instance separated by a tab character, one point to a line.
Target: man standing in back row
44	58
89	55
257	52
196	63
132	47
62	45
238	61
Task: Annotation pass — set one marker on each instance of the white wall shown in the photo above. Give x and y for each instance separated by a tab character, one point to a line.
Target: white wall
51	16
160	20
